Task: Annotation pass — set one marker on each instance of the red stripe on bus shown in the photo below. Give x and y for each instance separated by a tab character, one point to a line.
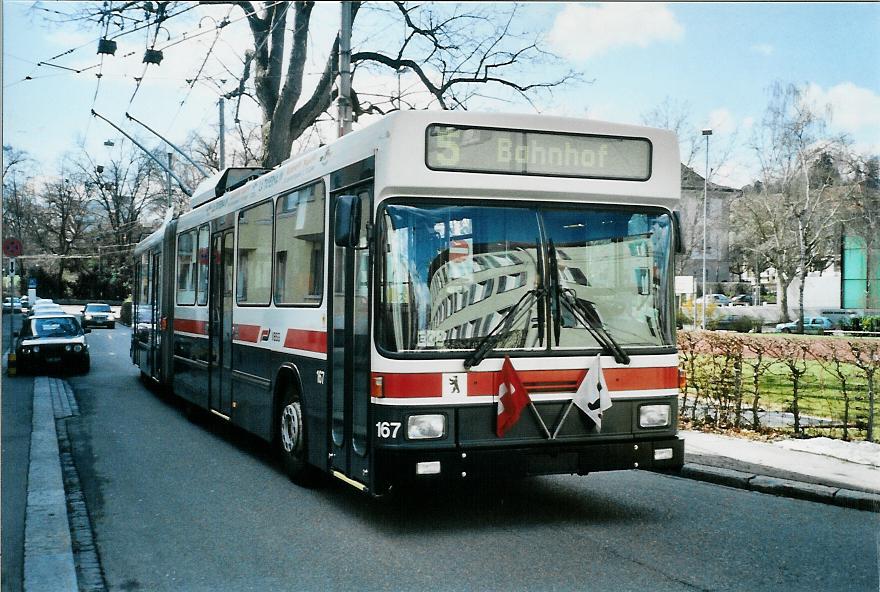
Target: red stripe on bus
315	341
191	326
639	379
396	385
246	332
410	385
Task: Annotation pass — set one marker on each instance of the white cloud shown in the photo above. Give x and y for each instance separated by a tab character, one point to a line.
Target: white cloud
721	121
763	49
748	123
581	32
853	108
732	175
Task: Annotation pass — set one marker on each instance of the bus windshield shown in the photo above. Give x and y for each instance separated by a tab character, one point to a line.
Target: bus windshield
452	272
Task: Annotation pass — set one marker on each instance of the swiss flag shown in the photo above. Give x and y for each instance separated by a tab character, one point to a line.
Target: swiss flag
512	398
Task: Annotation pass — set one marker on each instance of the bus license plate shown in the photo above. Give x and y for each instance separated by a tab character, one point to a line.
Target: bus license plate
55	359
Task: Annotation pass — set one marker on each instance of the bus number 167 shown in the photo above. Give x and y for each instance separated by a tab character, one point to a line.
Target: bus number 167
387	429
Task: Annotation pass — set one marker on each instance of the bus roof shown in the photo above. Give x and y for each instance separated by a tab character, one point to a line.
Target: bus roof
398	141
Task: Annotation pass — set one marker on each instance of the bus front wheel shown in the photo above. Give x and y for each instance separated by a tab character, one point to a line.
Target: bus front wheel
291	433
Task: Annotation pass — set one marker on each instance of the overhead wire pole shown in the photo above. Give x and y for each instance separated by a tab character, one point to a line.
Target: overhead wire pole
179	151
162	165
343	102
707	133
222	140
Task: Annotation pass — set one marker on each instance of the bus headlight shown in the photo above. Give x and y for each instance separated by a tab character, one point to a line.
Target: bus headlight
425	427
653	416
77	348
36	349
88	317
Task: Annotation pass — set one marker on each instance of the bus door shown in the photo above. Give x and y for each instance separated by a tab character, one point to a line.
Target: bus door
220	324
350	354
155	315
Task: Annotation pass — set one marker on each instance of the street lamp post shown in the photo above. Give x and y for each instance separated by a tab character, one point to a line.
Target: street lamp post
707	133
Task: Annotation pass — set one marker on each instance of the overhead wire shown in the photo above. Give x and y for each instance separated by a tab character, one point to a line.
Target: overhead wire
192	82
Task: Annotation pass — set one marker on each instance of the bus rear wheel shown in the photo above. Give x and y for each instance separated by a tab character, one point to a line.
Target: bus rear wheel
291	433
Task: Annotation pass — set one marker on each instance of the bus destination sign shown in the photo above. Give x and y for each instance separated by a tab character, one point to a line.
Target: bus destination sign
520	152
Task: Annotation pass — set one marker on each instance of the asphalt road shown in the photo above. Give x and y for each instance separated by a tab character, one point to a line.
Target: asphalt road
177	505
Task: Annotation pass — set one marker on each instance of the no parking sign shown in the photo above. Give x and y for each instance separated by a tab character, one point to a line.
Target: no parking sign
12	247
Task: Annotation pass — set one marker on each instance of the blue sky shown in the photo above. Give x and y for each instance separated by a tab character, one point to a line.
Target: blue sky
718	58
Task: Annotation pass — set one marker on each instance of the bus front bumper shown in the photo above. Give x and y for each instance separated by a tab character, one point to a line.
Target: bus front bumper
461	463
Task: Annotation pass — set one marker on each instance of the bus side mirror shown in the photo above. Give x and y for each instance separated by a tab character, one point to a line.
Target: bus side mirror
347	221
676	225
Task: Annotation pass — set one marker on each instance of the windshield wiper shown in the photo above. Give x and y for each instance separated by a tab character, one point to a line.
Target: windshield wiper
583	311
511	317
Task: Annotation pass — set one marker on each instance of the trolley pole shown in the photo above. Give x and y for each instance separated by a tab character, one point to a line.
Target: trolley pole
343	104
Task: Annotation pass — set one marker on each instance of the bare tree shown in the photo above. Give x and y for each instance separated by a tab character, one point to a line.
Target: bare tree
676	116
123	192
791	215
18	199
63	210
452	49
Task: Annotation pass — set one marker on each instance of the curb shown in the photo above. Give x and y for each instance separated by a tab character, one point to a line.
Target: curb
48	552
835	496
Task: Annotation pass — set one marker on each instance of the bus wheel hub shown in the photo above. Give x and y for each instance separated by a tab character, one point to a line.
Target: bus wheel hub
290	427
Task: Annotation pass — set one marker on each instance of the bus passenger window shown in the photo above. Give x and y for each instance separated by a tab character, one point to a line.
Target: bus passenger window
299	246
204	260
254	254
186	268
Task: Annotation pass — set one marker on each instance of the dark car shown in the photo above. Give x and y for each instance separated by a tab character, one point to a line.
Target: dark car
52	341
98	315
741	300
11	304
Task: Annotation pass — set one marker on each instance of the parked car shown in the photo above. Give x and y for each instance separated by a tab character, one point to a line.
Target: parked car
97	314
11	304
43	307
742	300
814	325
716	299
52	341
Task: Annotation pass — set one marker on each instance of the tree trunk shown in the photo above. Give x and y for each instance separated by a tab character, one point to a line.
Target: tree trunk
871	397
783	299
802	276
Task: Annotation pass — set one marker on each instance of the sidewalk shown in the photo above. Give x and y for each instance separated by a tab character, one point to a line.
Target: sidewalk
827	471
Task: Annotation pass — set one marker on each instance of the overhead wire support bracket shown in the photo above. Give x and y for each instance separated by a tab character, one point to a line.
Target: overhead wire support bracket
162	165
179	151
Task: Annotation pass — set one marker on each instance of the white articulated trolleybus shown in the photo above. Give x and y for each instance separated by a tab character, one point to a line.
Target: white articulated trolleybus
372	306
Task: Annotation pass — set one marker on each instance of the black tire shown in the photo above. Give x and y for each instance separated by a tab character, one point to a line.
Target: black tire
112	325
291	436
786	330
85	366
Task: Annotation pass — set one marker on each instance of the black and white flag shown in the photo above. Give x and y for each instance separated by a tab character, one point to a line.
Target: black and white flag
592	396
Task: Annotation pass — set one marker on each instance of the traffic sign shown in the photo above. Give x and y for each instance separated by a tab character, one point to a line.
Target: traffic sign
32	284
12	247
